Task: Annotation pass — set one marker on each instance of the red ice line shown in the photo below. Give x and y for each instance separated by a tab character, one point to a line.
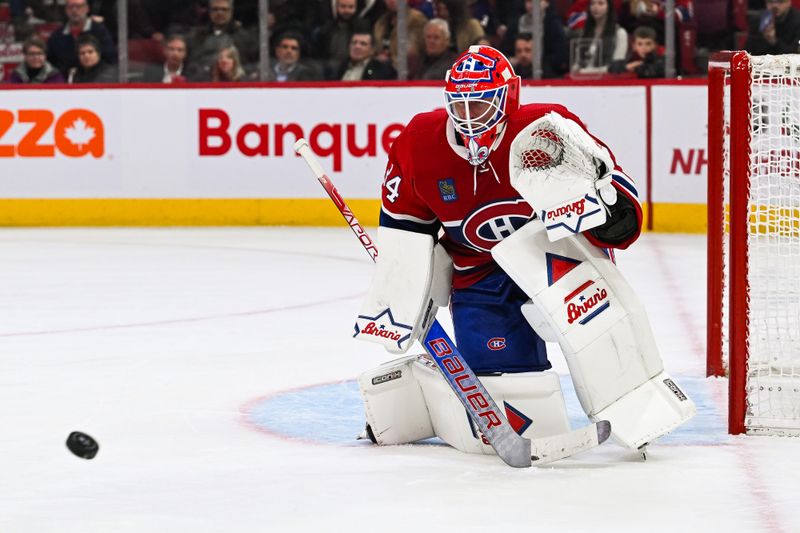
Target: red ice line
181	320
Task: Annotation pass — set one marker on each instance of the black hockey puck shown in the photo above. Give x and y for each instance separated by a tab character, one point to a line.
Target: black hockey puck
82	445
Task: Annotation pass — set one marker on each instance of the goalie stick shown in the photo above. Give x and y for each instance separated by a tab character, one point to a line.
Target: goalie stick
512	448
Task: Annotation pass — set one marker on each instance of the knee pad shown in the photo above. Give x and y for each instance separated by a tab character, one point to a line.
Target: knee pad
407	400
412	279
393	403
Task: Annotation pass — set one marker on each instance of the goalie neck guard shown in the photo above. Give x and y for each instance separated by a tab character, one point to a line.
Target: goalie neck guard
482	91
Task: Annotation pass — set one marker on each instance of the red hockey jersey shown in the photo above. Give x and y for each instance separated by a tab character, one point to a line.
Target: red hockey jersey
429	185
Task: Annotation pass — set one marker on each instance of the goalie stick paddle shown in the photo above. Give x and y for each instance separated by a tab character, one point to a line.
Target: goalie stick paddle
512	448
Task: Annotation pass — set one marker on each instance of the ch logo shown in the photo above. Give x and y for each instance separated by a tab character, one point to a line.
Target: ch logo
496	343
492	223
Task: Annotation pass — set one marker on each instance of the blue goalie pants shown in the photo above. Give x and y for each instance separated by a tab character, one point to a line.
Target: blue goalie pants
491	332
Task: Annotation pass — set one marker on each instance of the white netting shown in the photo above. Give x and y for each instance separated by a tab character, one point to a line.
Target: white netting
726	194
546	151
773	364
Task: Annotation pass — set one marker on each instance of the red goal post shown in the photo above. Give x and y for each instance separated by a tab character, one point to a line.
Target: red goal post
753	306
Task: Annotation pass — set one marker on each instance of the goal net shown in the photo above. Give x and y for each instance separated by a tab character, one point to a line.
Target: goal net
754	238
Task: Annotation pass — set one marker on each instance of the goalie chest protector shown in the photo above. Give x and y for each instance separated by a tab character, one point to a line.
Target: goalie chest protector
426	180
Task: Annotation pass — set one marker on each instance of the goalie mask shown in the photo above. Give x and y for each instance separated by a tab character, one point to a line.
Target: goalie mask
482	91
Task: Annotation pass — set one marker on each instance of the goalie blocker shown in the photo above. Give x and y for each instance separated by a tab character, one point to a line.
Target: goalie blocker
411	281
580	300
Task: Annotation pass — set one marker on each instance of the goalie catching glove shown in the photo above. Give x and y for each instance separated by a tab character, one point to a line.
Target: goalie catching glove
564	174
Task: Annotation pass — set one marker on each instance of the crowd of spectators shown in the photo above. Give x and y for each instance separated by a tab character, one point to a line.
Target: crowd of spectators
180	41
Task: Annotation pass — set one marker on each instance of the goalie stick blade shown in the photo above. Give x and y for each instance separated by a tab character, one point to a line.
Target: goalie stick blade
549	449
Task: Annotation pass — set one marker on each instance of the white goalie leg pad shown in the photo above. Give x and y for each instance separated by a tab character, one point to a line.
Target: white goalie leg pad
602	328
393	403
648	412
412	279
533	404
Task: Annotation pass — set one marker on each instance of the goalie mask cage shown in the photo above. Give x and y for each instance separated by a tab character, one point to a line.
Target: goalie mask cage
754	238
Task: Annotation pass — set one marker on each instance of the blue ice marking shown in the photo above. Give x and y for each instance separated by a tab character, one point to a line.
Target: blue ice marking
333	414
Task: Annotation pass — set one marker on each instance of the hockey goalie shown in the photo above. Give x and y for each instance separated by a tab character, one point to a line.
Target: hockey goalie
510	214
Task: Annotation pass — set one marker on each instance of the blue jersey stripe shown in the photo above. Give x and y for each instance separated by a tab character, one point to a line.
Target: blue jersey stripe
388	221
622	180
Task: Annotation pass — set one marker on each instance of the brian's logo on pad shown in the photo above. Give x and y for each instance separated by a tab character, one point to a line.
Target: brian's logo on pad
586	302
566	210
447	190
573	216
382	329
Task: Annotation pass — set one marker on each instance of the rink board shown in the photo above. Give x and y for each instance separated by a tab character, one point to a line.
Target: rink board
223	156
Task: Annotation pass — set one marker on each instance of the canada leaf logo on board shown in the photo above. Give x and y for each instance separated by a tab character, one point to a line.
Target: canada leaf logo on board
75	133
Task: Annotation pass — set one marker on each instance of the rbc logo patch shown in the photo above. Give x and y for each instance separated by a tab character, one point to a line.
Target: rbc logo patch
447	190
496	343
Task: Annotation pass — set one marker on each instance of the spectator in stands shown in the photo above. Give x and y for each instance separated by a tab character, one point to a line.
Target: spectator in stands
464	29
602	40
228	66
555	51
523	56
35	68
425	7
385	33
298	16
174	69
523	59
487	14
222	31
505	24
17	7
62	51
778	31
439	56
644	59
635	13
92	68
334	38
288	66
578	12
361	65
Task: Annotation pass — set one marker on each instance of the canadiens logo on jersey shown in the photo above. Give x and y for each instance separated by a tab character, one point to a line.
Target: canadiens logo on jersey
473	68
447	190
491	223
496	343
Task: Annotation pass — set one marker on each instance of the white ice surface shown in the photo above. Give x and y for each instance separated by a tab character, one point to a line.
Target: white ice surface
159	343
